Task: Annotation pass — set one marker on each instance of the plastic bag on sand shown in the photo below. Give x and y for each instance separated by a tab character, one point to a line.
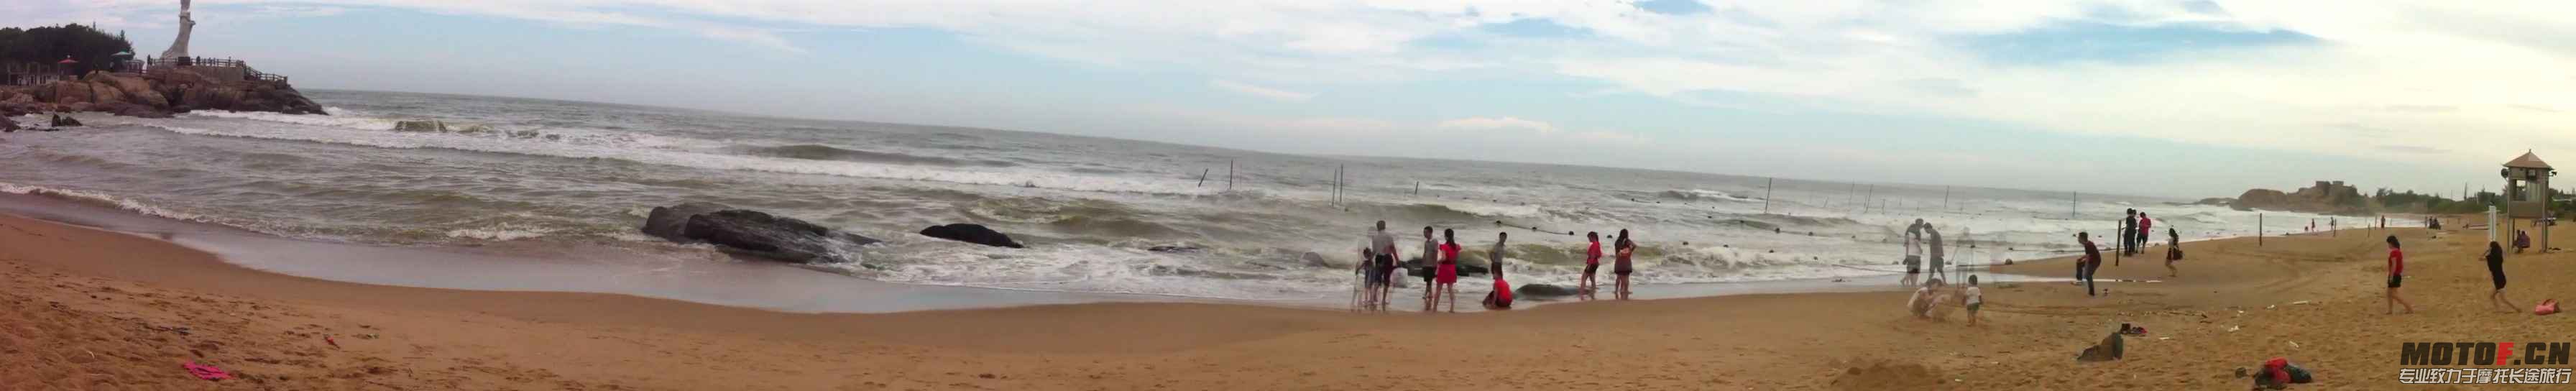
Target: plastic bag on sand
207	372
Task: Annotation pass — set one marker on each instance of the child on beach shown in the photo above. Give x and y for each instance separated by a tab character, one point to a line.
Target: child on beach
2173	252
2396	276
1591	264
1975	298
2092	260
2495	273
1430	275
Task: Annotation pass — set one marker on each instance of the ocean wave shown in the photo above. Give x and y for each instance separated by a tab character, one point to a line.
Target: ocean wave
102	199
499	232
640	149
826	152
1701	194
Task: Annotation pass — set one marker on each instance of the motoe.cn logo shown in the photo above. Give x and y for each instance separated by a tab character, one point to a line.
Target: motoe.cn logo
2460	362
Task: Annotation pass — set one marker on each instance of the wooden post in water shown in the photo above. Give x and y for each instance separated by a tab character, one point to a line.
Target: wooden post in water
1766	195
1203	172
1945	198
1229	175
2258	230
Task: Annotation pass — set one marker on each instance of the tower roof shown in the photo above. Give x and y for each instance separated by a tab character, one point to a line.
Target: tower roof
2527	160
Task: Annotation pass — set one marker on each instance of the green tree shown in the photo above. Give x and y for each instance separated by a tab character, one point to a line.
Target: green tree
94	49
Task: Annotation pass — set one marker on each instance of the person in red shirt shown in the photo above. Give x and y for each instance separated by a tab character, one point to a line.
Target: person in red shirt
1449	269
2396	276
1591	265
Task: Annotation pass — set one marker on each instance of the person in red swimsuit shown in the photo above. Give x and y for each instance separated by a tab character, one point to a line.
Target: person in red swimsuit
1449	268
1591	265
2396	276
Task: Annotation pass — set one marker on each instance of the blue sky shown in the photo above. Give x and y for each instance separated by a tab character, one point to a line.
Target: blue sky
2182	99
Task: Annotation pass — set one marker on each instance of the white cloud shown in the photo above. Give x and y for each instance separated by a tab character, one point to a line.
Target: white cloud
1498	123
1261	92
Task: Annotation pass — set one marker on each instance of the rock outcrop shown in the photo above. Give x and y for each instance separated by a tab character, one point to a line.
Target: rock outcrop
1544	291
61	121
8	126
154	95
1419	267
971	233
753	233
423	125
2325	197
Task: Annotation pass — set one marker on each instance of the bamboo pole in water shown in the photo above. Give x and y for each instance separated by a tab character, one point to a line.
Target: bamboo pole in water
1766	195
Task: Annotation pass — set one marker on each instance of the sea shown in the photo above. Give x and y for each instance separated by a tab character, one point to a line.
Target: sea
568	184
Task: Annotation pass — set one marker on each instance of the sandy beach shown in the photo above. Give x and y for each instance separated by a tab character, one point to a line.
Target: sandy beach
97	310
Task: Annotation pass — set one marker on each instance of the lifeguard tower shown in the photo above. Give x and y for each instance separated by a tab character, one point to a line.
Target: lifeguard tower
2526	186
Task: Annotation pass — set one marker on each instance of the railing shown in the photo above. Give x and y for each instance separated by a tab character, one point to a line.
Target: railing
248	73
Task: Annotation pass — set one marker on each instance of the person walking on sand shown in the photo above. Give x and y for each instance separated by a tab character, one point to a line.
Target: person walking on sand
1975	298
2173	252
1591	264
1621	266
2495	272
2396	276
1430	267
2092	260
1449	269
1381	267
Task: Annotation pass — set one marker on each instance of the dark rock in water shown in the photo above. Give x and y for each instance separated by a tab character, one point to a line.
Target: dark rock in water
971	233
1316	260
763	235
671	222
61	121
1419	267
425	125
1174	249
139	111
7	125
1540	291
751	233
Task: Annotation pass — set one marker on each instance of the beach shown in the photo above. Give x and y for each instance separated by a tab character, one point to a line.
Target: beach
92	309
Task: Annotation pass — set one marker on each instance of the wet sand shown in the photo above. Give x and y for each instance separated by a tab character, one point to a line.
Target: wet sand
92	309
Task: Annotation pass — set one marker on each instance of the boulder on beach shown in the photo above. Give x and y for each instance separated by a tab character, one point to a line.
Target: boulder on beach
752	233
1544	291
671	222
971	233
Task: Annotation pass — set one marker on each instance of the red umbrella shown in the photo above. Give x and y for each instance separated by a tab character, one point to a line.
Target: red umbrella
67	60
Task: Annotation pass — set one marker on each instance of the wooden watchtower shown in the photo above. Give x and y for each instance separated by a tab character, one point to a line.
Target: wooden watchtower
2526	185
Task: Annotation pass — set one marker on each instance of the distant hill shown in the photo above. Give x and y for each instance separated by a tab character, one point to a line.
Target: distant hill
2335	197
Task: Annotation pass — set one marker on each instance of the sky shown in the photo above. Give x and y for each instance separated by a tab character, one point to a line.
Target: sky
2163	98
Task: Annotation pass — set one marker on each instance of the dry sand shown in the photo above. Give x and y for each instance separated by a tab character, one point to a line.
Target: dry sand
95	310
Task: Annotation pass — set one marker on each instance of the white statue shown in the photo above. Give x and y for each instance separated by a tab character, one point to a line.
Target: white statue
179	48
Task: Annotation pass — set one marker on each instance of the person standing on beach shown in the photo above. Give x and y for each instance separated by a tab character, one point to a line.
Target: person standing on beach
2091	261
2173	252
2146	232
1913	252
1381	267
1932	240
2128	228
2396	276
1625	249
1449	269
2495	273
1975	298
1494	261
1430	266
1591	264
